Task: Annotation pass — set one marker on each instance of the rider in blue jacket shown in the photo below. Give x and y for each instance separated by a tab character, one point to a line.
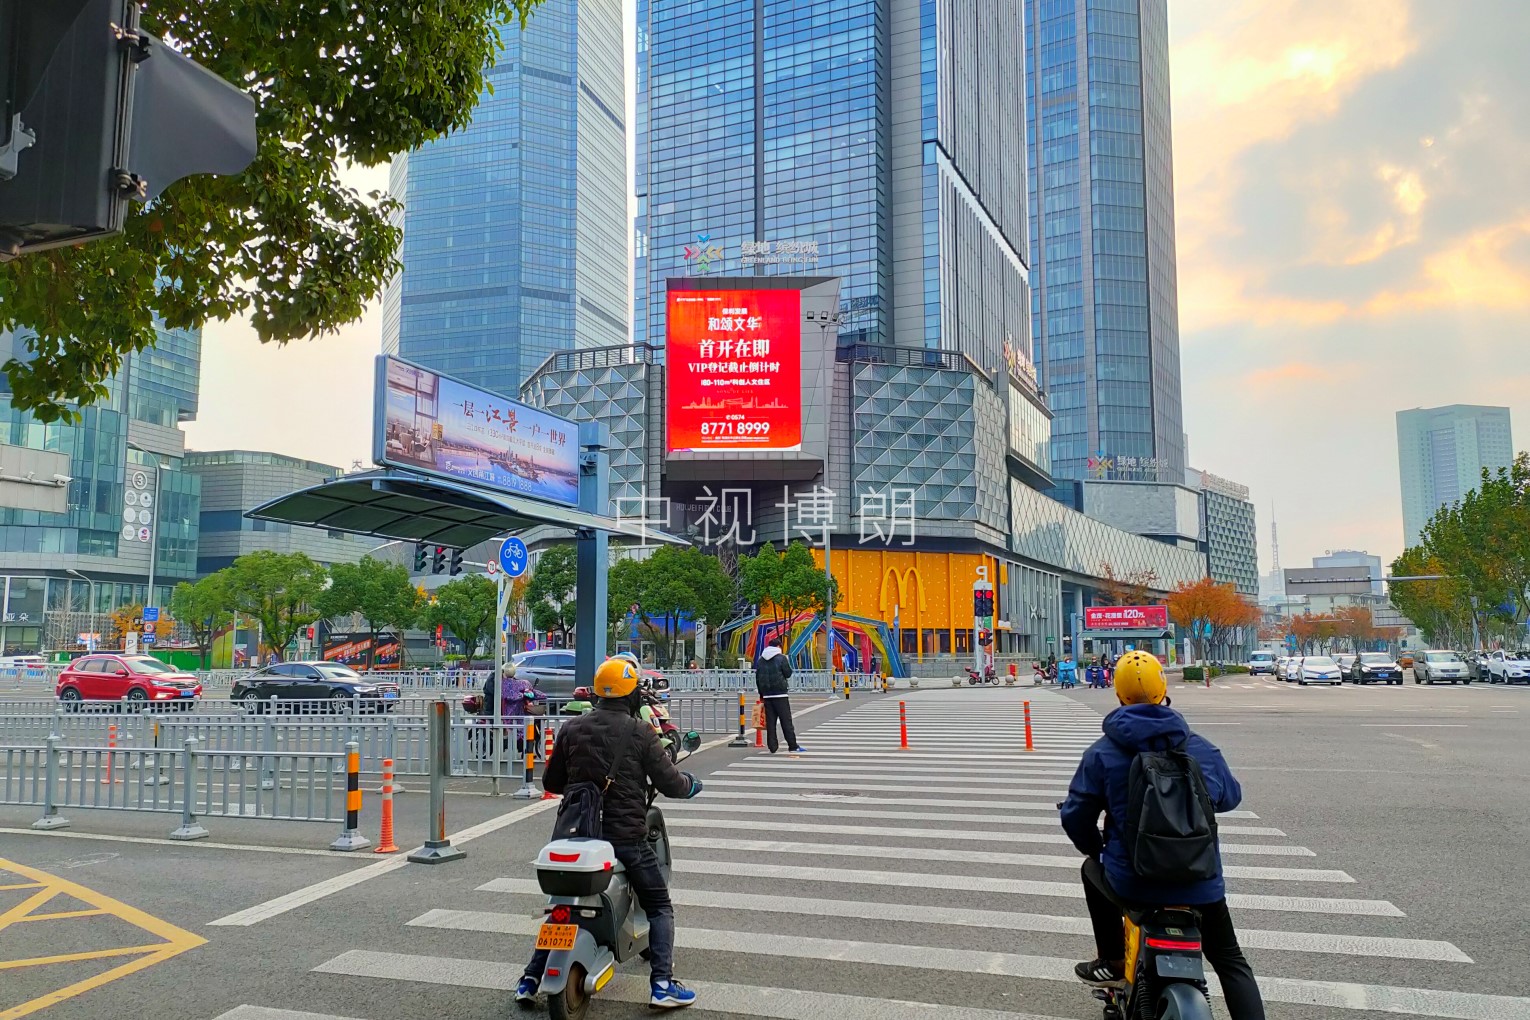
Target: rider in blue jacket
1145	721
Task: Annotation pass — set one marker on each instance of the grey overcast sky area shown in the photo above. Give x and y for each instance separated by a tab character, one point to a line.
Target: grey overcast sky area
1354	239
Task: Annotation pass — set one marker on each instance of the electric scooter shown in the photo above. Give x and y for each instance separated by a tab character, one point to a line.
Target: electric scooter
594	921
1165	973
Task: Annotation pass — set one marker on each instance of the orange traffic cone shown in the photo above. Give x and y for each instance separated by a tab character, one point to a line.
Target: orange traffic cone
759	723
385	844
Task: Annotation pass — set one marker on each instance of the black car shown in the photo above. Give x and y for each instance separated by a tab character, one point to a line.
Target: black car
1370	667
314	682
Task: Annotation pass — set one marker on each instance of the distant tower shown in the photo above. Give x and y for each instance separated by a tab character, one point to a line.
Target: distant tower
1275	544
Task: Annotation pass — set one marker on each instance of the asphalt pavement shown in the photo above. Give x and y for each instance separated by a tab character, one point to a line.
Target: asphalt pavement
1372	873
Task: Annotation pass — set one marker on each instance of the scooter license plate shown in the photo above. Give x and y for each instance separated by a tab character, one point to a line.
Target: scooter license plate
557	936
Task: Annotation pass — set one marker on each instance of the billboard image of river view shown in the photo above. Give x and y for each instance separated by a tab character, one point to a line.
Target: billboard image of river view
434	423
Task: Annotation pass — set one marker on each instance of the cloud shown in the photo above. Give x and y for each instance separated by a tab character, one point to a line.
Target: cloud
1354	238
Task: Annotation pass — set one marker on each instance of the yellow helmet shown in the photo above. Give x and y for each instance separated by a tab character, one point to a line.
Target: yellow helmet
1139	679
615	678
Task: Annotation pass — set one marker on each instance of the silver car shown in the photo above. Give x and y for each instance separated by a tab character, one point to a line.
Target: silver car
549	670
1444	666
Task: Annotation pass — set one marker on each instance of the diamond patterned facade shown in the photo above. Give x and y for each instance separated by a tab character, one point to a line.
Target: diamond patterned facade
939	432
1046	531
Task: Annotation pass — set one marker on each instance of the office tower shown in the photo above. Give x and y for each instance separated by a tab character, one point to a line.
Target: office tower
1441	453
878	141
90	509
1103	285
515	228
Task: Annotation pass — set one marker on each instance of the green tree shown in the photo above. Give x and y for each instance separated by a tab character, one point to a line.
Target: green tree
284	241
381	593
552	591
204	607
281	590
786	584
678	582
464	608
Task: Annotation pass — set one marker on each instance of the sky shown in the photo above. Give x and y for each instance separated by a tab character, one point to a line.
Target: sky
1352	186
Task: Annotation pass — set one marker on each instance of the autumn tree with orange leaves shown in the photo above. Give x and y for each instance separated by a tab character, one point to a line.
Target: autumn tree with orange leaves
1210	611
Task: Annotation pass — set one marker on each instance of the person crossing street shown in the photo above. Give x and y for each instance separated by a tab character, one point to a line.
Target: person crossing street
772	679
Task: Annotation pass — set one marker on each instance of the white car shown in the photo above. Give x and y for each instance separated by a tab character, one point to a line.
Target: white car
1507	667
1261	662
1291	668
1444	666
1318	669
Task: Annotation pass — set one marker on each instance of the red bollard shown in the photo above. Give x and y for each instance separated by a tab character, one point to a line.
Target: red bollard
1029	744
903	726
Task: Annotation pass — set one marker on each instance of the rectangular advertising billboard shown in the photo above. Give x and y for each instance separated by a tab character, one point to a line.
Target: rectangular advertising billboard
734	370
1126	618
432	423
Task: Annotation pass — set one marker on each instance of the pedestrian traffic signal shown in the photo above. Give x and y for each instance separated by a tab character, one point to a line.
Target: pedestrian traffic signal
438	560
456	562
985	638
421	557
98	113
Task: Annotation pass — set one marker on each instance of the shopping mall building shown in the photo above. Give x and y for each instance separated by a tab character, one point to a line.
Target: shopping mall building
921	471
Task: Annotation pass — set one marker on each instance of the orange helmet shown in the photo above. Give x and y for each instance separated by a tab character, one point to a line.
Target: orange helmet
615	678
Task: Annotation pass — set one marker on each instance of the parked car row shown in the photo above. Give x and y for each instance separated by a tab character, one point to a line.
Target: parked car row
1364	668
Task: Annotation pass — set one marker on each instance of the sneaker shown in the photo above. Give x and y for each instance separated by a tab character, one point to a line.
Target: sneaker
669	995
526	992
799	750
1100	972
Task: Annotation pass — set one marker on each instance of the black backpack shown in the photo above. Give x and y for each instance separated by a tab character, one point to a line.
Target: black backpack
581	815
489	705
1171	824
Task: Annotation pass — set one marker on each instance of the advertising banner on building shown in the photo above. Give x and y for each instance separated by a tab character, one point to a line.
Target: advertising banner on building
1126	618
432	423
734	370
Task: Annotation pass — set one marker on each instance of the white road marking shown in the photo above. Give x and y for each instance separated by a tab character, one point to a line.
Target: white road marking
957	835
977	857
745	1000
1014	887
932	769
808	772
191	845
1334	994
1418	725
1027	791
263	1013
1288	941
942	817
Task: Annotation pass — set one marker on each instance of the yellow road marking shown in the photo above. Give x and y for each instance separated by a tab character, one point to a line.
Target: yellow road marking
18	885
94	954
61	915
176	940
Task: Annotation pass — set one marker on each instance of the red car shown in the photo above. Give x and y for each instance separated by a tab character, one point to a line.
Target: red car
139	680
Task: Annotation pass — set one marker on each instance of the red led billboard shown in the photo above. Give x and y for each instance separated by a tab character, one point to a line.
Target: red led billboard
1126	618
734	370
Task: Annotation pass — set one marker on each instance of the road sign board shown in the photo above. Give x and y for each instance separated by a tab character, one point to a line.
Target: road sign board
512	557
148	639
149	625
151	612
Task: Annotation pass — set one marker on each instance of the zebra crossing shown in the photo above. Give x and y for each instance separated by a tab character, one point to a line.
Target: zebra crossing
860	880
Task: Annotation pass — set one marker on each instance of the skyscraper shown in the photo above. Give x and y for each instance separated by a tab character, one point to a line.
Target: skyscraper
1104	298
884	134
125	507
1441	452
515	228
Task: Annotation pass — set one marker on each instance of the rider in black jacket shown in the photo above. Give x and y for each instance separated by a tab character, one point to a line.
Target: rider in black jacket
582	754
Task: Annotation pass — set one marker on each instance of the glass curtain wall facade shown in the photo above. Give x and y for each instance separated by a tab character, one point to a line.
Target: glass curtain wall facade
155	392
515	228
1104	292
1441	454
784	120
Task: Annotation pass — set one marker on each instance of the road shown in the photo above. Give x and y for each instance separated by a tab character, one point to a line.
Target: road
1368	869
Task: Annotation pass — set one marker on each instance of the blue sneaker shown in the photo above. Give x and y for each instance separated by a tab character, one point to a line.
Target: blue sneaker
670	995
799	750
526	992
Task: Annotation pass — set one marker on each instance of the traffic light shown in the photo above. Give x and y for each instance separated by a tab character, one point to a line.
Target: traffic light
438	560
97	113
982	602
421	557
456	562
985	638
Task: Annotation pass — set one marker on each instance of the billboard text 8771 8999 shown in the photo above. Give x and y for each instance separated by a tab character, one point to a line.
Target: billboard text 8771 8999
734	370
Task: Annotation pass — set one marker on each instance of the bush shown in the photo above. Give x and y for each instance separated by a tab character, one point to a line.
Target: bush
1194	675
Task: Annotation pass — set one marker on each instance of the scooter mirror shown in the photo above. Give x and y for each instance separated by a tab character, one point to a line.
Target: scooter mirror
691	741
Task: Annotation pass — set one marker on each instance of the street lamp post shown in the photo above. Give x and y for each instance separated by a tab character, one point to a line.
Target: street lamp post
90	642
825	320
159	470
